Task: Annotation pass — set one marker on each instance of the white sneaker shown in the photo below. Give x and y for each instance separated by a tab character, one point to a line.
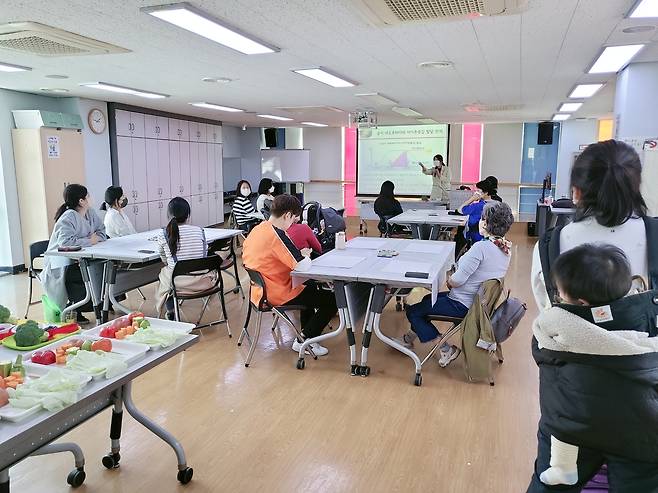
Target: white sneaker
402	341
448	356
317	349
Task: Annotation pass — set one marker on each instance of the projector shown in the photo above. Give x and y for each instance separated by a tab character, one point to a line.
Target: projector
363	119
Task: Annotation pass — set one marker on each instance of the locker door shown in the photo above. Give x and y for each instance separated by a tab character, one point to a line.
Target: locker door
125	159
155	214
211	180
122	120
139	169
137	124
203	168
164	173
174	168
162	127
141	217
152	172
195	168
219	170
150	131
185	169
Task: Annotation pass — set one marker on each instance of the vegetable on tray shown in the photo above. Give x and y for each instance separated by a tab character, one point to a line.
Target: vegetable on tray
53	391
96	362
29	334
5	316
156	337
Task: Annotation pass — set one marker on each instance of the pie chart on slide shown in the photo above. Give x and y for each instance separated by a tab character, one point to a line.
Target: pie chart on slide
402	161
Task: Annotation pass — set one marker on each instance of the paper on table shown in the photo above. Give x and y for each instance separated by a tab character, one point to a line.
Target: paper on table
340	261
424	247
401	267
366	243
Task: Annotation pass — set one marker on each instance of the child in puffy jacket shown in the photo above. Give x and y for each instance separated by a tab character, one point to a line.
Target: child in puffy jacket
598	378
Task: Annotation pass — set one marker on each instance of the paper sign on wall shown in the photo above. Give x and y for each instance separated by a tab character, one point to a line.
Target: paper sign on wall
531	153
53	146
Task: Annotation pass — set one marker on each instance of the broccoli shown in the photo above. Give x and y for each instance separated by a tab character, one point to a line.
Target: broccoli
5	314
29	334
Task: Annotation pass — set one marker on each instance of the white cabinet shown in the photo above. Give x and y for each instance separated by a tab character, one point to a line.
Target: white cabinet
129	123
211	180
215	208
131	153
219	168
185	170
203	168
138	215
157	214
199	206
202	133
173	129
156	127
157	169
199	167
179	130
214	134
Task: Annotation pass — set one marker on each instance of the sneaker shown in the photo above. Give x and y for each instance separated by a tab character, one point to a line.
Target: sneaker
317	349
82	320
448	356
170	316
402	341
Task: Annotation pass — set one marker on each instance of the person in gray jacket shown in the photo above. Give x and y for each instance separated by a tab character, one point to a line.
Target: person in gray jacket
76	224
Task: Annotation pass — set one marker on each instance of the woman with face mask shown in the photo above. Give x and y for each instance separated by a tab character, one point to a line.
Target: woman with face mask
265	197
76	224
116	221
242	206
441	177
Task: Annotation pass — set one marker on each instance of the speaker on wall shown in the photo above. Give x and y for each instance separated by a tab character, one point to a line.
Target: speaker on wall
270	137
545	133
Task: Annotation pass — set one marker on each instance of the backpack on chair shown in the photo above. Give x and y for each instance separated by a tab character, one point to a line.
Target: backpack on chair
506	317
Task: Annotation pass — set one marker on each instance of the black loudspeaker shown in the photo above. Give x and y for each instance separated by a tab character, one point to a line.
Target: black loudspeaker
270	137
545	133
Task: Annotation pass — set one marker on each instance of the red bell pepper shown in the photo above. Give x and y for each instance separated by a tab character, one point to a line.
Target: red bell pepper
64	329
6	333
44	357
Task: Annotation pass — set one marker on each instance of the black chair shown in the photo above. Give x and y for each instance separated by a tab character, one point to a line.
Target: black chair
264	306
388	230
226	246
200	267
37	250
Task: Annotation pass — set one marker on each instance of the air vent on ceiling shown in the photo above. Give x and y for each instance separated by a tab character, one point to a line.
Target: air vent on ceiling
42	40
488	108
390	12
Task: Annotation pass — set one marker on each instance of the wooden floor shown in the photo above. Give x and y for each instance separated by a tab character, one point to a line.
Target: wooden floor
273	428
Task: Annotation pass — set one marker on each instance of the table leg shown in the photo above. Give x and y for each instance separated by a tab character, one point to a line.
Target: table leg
235	268
84	271
106	292
344	321
77	476
111	281
184	472
416	232
364	369
111	460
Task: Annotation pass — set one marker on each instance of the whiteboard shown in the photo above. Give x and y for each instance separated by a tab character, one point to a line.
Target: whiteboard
290	165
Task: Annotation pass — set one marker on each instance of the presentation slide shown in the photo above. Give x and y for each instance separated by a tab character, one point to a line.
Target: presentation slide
393	153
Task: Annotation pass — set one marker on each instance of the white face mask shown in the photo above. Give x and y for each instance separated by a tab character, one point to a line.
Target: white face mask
437	162
271	189
245	191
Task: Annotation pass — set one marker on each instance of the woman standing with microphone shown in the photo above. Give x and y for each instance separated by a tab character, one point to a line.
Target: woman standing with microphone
440	174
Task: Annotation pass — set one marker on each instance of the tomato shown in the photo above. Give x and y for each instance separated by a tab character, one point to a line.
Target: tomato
108	332
133	315
102	345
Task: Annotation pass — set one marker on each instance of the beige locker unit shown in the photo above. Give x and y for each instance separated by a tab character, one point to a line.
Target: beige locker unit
47	160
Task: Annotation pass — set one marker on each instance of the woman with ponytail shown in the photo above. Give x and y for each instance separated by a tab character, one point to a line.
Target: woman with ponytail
76	224
178	241
116	222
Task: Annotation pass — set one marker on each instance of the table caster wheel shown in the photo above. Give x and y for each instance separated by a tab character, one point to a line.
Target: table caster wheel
365	371
492	384
355	370
111	461
418	381
236	291
185	476
76	477
500	361
301	364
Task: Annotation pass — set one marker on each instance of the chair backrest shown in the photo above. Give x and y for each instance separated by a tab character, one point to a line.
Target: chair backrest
37	249
221	245
257	279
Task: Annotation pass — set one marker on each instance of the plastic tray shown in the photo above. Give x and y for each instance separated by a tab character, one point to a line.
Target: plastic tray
15	414
156	323
10	342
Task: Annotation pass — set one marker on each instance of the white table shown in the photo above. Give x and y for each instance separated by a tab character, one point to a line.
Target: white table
435	219
343	267
139	248
367	209
35	435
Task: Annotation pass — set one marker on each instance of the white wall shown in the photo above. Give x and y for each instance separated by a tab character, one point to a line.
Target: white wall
241	156
502	145
327	154
636	105
573	134
455	152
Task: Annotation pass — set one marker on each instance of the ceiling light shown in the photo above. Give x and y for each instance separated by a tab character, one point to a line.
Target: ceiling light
638	29
124	90
614	58
211	106
645	8
54	89
10	67
585	90
427	120
406	111
569	107
560	117
56	76
441	64
312	124
322	75
192	19
376	98
218	80
274	117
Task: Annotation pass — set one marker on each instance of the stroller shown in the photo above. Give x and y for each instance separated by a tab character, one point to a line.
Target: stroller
325	223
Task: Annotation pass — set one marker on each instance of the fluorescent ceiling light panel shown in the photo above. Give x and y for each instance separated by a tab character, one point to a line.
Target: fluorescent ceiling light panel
322	75
569	107
376	98
211	106
274	117
585	90
614	58
427	120
406	111
124	90
313	124
10	67
194	20
559	117
646	8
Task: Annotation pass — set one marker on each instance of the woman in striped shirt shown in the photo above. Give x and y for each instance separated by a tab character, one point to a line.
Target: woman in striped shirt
178	241
243	206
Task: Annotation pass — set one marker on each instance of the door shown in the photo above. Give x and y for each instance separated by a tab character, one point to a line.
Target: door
174	130
185	169
141	212
216	134
202	132
157	214
174	168
137	124
150	127
139	176
194	130
125	161
219	170
152	172
203	168
164	173
212	180
184	130
122	120
200	214
195	168
162	127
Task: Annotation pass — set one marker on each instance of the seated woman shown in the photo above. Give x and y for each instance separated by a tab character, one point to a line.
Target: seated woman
242	206
116	222
387	206
178	241
76	224
472	208
265	197
488	259
303	237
